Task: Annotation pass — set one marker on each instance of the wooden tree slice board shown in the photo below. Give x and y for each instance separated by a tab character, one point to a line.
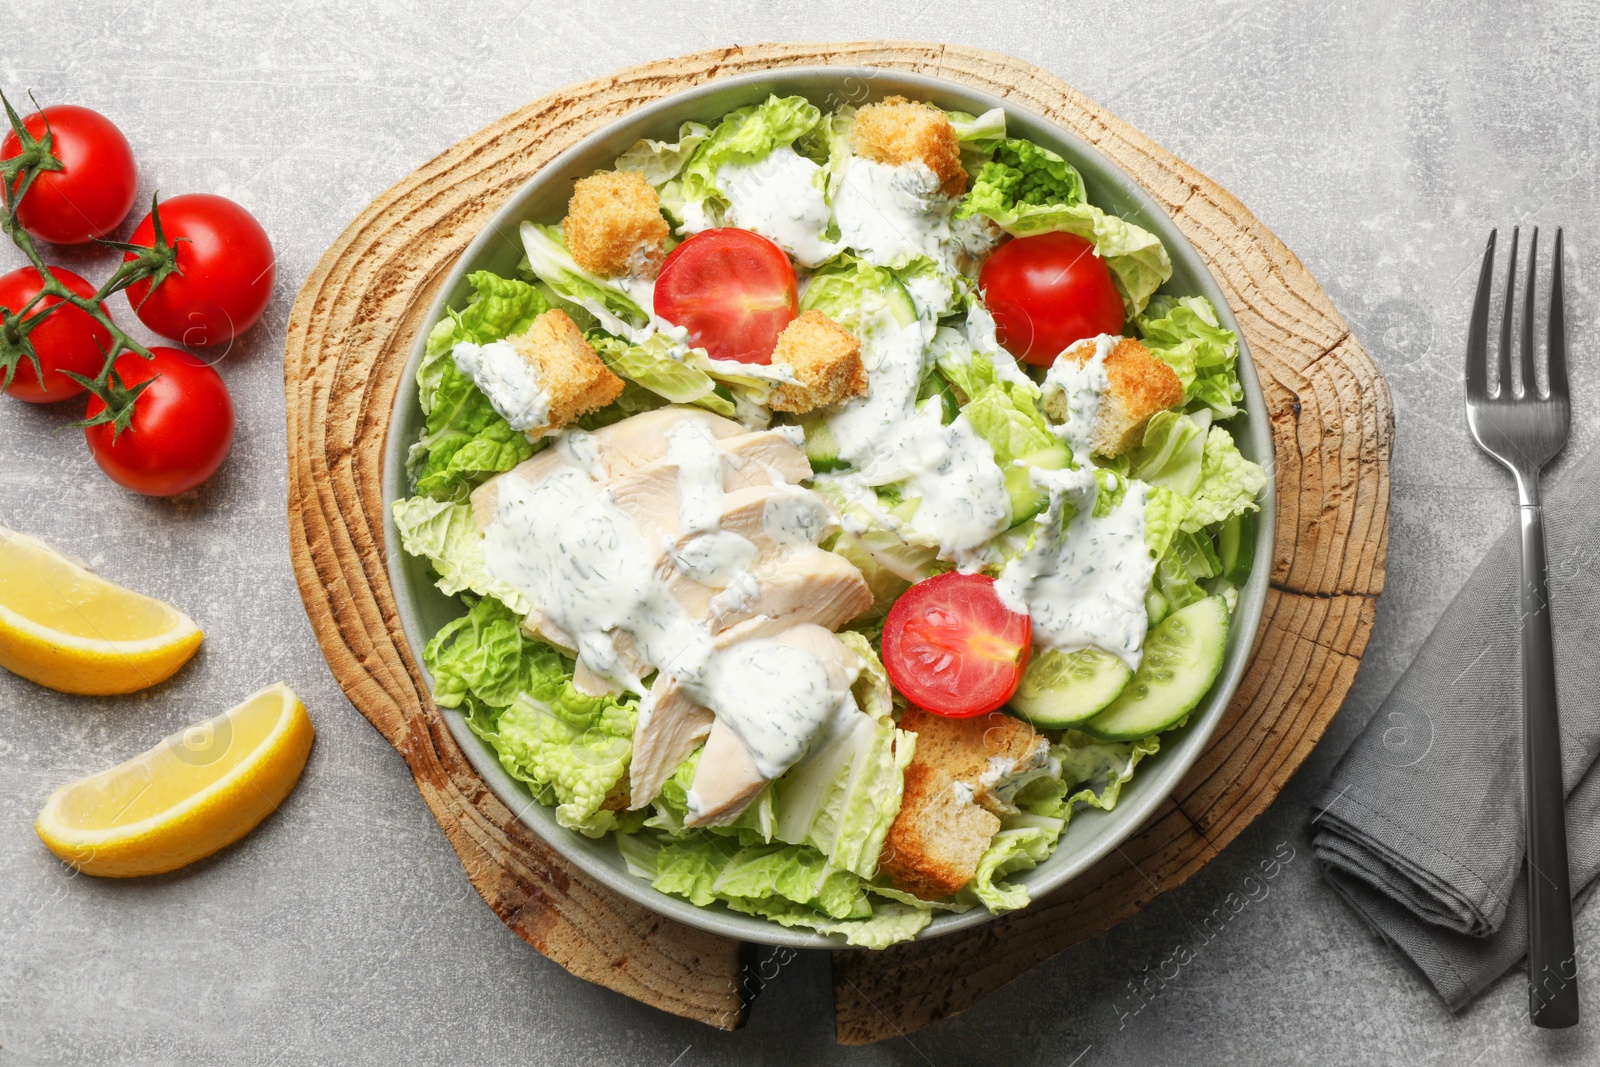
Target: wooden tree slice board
349	336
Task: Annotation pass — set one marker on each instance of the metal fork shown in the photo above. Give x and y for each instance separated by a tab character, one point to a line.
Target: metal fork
1524	430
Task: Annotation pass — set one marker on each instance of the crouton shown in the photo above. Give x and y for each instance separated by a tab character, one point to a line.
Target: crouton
934	845
566	366
994	755
826	359
900	131
1139	385
963	777
614	225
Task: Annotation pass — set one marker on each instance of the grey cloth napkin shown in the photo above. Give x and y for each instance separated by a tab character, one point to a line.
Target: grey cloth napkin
1420	826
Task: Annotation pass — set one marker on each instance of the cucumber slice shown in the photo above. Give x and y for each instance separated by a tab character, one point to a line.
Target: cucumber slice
933	384
901	306
1062	689
1182	657
1236	547
1027	499
821	449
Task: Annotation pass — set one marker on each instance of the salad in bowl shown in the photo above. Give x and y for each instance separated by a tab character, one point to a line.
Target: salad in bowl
833	507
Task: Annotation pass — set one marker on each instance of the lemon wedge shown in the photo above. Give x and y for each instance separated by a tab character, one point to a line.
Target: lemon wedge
64	627
201	789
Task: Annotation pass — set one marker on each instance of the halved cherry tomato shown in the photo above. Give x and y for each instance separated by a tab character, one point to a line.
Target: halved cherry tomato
733	290
1048	291
67	340
91	194
952	646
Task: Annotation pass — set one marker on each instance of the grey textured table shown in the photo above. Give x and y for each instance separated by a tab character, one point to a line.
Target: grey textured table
1380	143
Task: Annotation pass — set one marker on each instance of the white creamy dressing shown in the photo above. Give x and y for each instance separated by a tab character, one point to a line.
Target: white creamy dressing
567	547
977	235
592	571
930	295
508	380
949	470
890	215
1005	776
697	455
642	291
795	520
775	697
1084	583
698	215
1072	394
982	336
781	197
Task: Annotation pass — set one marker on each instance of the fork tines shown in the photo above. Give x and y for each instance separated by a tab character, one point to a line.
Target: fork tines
1478	336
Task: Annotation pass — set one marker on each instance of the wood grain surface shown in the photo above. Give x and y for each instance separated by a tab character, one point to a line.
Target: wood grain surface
352	328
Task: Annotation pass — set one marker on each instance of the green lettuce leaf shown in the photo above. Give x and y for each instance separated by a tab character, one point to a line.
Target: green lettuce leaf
889	924
885	583
1027	189
971	371
979	136
1229	483
746	135
1011	422
604	299
842	797
661	161
1171	451
1186	332
1190	560
499	307
464	440
839	289
572	750
1164	512
1022	175
1092	775
1023	842
791	884
651	364
445	534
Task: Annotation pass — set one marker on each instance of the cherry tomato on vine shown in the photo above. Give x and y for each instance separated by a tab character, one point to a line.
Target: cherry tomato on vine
733	290
224	276
1048	291
92	193
952	646
181	430
66	340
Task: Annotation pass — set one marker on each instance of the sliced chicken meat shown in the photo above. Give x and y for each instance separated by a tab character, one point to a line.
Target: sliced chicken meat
727	778
807	585
620	449
674	724
670	727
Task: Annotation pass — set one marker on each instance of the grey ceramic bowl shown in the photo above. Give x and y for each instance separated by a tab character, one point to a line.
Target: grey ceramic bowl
423	609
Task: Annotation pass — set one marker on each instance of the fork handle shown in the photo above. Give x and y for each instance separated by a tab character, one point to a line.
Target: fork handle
1552	960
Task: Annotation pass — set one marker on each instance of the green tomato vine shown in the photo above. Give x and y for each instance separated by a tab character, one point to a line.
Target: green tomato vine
156	263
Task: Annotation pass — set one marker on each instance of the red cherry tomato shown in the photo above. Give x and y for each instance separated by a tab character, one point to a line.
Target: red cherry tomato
225	271
181	430
67	340
733	290
90	196
1047	291
952	646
